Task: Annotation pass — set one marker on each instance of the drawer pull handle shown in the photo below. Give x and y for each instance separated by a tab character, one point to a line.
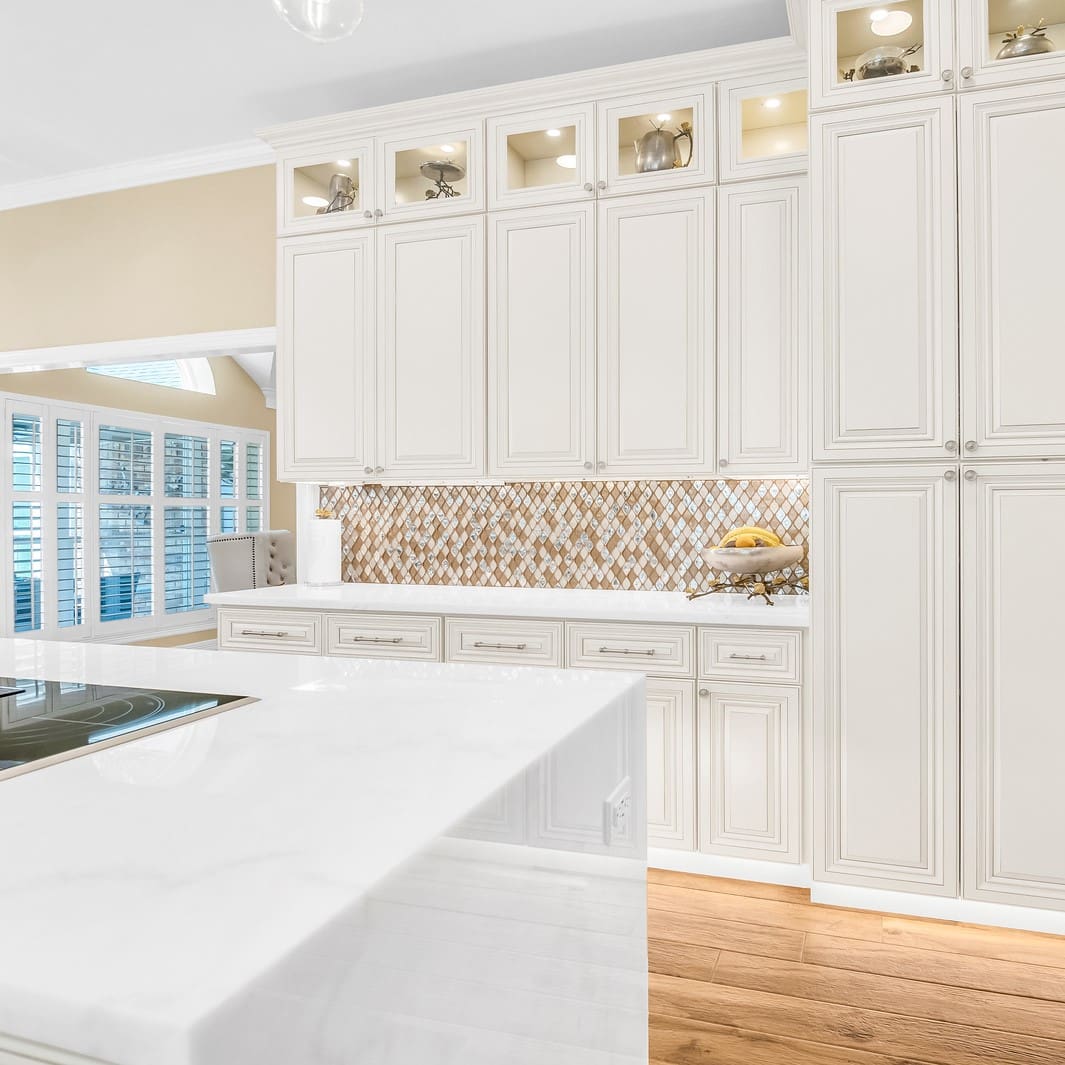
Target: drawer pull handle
749	658
627	651
377	639
501	646
279	635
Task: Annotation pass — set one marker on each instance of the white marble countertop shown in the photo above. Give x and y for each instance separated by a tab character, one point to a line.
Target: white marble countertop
143	886
788	611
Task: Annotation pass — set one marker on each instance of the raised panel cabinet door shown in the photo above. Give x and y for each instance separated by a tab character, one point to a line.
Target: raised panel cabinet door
541	346
762	254
325	370
671	763
885	692
431	412
656	381
885	283
1012	234
1013	717
750	758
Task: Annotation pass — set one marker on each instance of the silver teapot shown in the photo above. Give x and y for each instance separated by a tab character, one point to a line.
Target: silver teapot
1026	40
657	148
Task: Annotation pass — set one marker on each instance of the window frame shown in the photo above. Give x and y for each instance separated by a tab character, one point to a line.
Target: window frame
90	498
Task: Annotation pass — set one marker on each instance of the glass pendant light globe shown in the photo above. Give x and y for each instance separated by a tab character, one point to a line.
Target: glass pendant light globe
321	20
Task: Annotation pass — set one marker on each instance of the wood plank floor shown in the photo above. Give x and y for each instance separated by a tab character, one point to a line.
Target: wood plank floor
754	974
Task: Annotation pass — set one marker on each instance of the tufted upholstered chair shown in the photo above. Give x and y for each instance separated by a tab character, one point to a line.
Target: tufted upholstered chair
252	560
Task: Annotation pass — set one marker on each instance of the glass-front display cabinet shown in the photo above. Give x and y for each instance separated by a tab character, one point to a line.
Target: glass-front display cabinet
652	142
431	172
1007	41
875	51
763	126
541	157
327	190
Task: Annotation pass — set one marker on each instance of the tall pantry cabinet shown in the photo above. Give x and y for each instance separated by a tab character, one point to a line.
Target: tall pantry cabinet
939	423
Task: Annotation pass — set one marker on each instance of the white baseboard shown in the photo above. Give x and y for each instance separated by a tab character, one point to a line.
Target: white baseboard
967	911
730	868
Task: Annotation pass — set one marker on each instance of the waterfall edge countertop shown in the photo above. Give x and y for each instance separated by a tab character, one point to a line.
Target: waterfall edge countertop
788	611
144	886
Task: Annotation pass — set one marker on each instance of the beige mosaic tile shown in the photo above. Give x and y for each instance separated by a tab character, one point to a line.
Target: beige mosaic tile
594	534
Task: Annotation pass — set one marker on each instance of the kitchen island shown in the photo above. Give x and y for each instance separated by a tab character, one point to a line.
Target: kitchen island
374	862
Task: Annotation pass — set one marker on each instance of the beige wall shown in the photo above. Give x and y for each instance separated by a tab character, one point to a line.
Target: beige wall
238	401
190	256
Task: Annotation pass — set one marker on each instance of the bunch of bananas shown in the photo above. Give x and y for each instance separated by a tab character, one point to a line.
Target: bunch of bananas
751	536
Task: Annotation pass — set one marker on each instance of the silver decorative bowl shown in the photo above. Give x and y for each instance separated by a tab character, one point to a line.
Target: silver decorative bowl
752	559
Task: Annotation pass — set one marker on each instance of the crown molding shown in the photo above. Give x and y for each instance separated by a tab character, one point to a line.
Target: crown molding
143	349
216	160
797	13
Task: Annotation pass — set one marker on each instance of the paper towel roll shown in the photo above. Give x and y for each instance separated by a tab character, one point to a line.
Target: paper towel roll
322	557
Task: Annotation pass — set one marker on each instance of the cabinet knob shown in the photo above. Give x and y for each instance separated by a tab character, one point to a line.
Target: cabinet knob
600	185
367	214
379	469
966	72
950	475
722	463
367	469
589	187
970	475
587	465
970	445
601	465
947	76
951	446
704	692
378	213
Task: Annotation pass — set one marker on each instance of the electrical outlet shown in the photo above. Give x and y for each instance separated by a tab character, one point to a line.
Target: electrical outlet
617	811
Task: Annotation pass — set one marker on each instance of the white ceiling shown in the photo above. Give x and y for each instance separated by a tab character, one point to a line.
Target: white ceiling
91	83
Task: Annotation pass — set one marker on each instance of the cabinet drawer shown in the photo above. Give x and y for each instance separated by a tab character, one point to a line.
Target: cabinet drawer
762	654
269	630
531	643
383	636
658	649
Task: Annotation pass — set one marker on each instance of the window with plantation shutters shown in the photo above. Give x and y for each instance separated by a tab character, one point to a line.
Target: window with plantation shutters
109	514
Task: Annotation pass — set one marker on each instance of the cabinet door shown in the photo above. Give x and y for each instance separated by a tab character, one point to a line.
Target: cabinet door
884	293
1012	232
655	336
762	426
671	763
750	760
763	125
431	352
1014	717
325	372
332	188
885	692
982	29
541	349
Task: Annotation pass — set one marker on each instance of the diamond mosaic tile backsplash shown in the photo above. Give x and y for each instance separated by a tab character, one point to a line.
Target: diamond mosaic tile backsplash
595	534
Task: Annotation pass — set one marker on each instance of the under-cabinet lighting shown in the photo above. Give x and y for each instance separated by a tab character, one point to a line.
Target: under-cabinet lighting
346	163
663	118
878	15
315	201
772	103
567	161
892	24
554	133
447	149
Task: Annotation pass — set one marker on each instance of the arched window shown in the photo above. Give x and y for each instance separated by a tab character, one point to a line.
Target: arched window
192	375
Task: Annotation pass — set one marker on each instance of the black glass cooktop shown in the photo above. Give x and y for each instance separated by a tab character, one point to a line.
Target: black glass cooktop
45	721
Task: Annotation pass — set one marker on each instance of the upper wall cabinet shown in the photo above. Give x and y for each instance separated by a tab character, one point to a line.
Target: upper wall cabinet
1012	156
885	282
763	126
333	188
541	157
762	317
863	52
1010	40
656	388
430	171
656	142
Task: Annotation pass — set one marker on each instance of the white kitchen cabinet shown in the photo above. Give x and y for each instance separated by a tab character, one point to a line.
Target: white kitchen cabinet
656	388
885	695
1013	721
1012	156
541	348
750	771
884	283
982	26
430	313
336	178
325	363
762	321
671	763
763	125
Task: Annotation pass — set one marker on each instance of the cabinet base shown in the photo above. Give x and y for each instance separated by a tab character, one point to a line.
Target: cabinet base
700	864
